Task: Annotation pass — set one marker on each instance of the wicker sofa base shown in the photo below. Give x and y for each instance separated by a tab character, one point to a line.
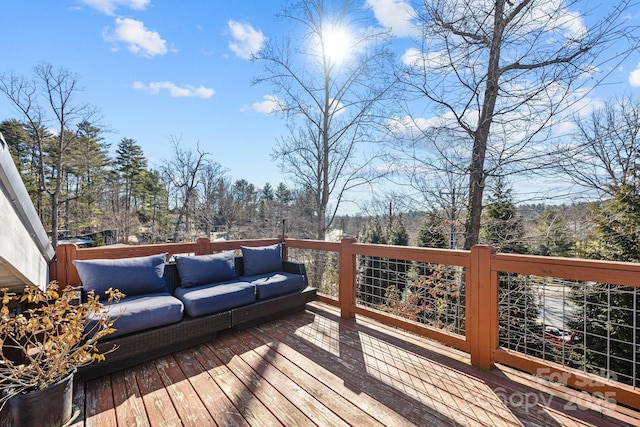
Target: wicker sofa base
150	344
262	311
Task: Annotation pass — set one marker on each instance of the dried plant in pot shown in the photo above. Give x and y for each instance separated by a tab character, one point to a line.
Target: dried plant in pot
45	335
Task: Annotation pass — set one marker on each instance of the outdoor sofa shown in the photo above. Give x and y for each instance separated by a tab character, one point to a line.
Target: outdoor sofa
170	306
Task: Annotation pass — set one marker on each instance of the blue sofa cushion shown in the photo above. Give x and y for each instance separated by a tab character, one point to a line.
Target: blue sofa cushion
216	297
262	259
132	276
139	312
205	269
271	285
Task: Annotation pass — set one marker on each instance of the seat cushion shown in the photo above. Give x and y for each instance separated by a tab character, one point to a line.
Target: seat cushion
274	284
216	297
132	276
262	259
139	312
204	269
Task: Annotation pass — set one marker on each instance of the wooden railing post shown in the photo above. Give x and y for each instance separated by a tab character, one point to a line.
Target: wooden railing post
203	246
482	307
347	277
59	268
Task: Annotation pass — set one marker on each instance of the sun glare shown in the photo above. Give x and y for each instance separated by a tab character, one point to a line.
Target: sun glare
337	44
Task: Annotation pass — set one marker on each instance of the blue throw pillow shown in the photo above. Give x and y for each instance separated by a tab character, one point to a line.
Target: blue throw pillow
263	259
132	276
205	269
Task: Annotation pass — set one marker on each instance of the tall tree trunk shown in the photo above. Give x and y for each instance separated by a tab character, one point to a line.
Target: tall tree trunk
481	136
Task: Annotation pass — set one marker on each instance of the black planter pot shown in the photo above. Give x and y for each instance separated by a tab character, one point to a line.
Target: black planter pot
49	407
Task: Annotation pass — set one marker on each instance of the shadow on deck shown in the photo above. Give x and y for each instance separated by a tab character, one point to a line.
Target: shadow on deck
314	368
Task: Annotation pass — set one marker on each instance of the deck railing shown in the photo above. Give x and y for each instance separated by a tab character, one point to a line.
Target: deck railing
572	321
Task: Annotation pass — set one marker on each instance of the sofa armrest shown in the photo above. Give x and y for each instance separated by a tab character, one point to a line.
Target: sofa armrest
295	267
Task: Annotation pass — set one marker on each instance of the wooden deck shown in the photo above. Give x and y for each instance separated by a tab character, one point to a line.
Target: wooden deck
314	368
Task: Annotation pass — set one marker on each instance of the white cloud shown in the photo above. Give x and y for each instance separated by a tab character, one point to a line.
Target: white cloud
396	15
139	40
634	77
413	57
108	7
573	23
175	91
270	104
245	39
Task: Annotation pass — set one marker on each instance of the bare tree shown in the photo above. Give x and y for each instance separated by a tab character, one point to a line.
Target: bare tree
498	74
183	171
47	101
330	78
604	154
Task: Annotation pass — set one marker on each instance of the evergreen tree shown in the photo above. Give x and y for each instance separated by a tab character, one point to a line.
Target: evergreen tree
283	194
267	192
23	152
430	234
384	278
553	235
371	291
605	319
130	164
503	228
519	328
435	290
86	176
396	280
154	207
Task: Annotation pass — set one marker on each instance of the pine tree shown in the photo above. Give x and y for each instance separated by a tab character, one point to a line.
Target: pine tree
503	228
130	164
283	194
86	175
553	235
22	150
371	291
435	290
267	192
430	234
384	278
608	313
519	328
154	207
396	280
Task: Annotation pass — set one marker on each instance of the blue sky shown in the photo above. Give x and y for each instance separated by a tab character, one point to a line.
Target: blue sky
159	69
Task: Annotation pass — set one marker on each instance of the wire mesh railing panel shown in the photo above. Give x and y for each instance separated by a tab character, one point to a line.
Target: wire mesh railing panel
430	294
593	327
322	269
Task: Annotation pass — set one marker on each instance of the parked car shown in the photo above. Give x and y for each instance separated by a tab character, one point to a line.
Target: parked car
558	336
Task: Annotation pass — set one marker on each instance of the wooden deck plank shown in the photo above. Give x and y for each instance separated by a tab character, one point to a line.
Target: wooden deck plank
245	402
315	368
253	379
323	394
442	389
290	389
190	408
213	398
157	402
354	377
99	405
78	400
362	401
130	410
